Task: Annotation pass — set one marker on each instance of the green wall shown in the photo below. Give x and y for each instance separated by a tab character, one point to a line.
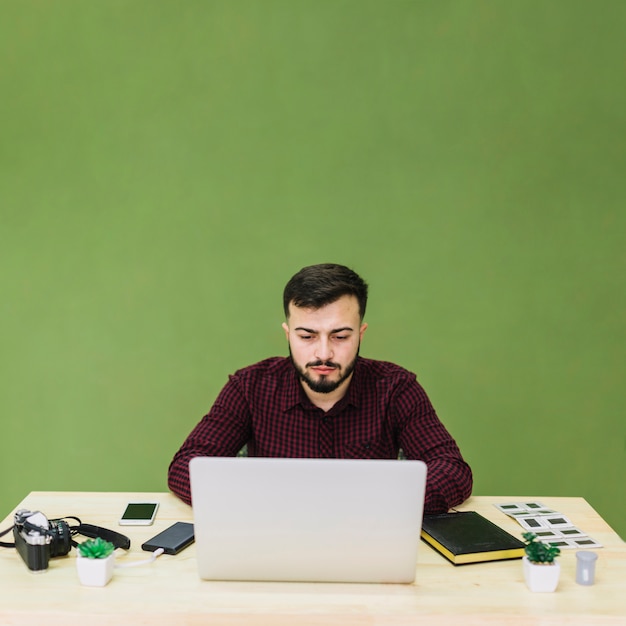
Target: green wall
165	167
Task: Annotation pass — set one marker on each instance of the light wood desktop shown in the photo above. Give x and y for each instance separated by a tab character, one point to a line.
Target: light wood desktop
169	591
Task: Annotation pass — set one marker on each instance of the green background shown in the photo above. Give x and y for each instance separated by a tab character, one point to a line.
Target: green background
165	167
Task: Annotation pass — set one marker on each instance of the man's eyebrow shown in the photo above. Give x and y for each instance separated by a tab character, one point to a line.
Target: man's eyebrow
332	332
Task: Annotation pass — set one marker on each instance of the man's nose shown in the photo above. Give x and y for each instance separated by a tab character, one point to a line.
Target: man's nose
324	350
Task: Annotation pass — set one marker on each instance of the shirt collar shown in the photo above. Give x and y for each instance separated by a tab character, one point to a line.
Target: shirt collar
292	389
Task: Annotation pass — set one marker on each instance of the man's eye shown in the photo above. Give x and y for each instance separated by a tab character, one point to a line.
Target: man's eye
305	337
341	337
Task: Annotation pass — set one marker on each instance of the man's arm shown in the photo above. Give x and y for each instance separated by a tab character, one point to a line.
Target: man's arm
424	437
222	432
449	481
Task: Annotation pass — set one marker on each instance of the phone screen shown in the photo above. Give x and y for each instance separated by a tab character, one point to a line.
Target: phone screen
139	513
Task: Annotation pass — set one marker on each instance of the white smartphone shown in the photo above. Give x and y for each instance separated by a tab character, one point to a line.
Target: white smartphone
139	514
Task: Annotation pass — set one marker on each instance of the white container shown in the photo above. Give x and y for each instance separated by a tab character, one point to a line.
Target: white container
541	578
95	572
585	567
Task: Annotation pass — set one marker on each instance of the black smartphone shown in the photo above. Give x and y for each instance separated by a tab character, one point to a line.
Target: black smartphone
173	539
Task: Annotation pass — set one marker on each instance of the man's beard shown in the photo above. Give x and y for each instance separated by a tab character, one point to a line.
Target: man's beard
324	385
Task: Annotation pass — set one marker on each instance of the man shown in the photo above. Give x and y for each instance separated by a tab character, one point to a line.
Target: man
326	401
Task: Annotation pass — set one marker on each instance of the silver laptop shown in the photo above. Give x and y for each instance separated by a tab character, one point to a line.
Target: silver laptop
318	520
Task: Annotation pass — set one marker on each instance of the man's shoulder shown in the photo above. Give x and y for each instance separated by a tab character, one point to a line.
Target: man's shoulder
389	378
273	366
372	368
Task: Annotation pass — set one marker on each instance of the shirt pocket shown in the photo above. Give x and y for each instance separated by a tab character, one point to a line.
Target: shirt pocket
369	449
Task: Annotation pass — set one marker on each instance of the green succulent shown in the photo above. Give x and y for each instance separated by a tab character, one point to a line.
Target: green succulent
539	552
96	548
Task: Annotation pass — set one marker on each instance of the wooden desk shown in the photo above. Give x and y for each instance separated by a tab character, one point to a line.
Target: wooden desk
170	592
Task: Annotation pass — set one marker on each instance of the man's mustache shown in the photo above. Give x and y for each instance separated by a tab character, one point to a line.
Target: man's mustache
324	364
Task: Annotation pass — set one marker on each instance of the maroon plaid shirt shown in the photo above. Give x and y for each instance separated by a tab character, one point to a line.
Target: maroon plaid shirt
384	410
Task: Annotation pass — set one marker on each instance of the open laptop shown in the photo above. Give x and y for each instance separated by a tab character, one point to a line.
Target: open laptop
318	520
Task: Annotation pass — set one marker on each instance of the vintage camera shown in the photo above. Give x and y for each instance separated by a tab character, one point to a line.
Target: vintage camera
37	539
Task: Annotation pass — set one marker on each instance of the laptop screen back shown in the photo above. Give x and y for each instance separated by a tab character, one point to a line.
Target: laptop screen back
307	519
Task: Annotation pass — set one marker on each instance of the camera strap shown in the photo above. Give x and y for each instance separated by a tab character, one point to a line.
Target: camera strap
5	544
88	530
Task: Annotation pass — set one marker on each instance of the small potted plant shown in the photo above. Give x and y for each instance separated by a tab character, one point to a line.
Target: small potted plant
95	561
541	570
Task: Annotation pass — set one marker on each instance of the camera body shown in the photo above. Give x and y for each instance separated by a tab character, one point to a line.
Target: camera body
37	539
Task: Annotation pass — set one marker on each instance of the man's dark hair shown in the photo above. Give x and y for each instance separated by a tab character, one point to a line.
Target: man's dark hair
316	286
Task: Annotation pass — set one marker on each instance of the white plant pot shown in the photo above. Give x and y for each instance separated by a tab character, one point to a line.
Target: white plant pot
95	572
541	578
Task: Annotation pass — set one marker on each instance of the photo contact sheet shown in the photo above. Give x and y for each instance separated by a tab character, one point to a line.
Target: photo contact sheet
550	526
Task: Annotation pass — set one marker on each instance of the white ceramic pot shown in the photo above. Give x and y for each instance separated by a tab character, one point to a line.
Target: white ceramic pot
542	578
95	572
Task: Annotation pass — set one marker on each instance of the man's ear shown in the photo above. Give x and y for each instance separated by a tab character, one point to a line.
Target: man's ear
362	331
286	329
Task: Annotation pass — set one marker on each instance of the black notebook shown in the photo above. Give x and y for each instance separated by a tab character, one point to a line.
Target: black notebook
468	537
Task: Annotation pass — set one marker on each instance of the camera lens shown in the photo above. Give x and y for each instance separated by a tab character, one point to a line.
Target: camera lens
61	538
